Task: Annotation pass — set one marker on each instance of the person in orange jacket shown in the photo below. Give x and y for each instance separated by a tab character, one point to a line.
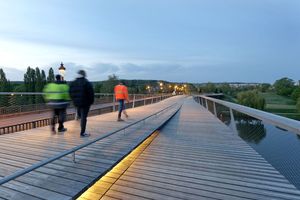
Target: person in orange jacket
121	94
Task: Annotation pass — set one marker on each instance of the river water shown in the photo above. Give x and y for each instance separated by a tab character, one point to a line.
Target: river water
279	147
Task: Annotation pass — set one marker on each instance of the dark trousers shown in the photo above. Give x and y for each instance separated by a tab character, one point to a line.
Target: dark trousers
83	113
61	115
121	107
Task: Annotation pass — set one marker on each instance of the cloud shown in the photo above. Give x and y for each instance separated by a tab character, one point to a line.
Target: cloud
101	71
105	68
13	74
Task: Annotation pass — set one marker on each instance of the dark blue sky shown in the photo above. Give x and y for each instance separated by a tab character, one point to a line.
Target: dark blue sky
174	40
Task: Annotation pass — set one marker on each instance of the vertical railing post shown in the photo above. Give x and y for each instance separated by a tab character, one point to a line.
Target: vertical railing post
232	121
152	100
133	101
76	114
206	104
114	103
73	157
215	109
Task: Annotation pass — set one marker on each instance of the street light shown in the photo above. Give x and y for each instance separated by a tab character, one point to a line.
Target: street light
62	70
148	88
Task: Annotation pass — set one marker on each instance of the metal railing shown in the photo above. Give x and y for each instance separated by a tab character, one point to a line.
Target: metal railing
211	104
104	103
16	103
73	150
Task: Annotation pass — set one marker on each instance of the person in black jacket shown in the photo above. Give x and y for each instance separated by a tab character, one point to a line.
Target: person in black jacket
82	94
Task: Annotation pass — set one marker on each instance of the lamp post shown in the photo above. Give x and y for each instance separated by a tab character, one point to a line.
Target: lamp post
148	88
161	87
62	70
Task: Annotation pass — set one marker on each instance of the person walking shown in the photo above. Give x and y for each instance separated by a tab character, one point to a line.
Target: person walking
82	95
121	94
57	97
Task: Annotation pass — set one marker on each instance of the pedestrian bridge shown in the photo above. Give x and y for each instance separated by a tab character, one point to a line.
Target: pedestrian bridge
172	149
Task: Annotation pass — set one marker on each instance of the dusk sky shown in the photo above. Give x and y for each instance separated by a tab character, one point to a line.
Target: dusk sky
173	40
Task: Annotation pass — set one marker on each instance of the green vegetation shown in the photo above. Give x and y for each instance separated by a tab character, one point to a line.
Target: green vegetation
281	105
35	80
251	99
284	86
298	104
296	93
142	86
281	98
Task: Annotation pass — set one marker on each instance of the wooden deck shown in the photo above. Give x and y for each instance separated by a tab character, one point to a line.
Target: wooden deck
16	122
194	156
63	179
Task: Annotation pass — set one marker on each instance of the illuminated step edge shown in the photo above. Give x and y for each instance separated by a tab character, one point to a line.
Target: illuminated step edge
99	189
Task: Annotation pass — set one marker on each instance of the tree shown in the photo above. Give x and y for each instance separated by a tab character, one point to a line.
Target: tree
298	104
225	88
251	99
296	93
108	86
30	80
4	87
98	87
284	86
264	87
50	78
39	85
4	83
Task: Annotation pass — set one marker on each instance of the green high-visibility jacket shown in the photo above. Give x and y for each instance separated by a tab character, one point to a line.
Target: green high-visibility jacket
57	92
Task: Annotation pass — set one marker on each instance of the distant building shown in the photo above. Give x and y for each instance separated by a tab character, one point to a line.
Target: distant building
243	84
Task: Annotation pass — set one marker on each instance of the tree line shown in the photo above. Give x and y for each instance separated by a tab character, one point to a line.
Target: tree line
248	94
35	80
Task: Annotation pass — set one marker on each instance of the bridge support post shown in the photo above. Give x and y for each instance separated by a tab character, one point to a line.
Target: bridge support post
73	157
215	109
133	101
114	103
76	114
232	121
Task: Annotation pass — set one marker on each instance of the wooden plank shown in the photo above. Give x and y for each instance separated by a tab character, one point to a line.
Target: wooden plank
9	194
196	156
35	191
64	179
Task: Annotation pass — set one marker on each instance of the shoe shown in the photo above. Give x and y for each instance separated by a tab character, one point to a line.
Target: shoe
120	120
62	130
85	135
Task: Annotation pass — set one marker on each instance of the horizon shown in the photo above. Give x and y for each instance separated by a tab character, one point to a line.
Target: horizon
173	40
179	82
